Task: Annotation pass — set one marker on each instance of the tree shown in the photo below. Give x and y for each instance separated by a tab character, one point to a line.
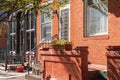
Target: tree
10	6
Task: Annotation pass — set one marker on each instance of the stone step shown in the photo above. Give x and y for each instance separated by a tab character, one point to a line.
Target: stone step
32	77
36	69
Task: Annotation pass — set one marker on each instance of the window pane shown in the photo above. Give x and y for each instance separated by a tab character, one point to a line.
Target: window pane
30	19
97	20
33	19
46	30
28	42
46	25
32	40
12	42
46	17
65	24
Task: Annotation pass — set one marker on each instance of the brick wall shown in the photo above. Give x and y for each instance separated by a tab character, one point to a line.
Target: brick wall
97	51
65	65
96	45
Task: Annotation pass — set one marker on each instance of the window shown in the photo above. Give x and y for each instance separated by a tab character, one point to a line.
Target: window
96	17
30	31
65	23
46	25
31	20
12	27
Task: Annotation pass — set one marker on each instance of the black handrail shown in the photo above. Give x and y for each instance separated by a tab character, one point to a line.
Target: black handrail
45	41
39	45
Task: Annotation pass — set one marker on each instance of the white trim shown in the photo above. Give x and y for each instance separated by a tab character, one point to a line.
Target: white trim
46	3
29	30
87	33
98	34
12	34
62	8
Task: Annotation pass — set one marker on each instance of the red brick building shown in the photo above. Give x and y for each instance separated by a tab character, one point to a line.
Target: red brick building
90	25
85	23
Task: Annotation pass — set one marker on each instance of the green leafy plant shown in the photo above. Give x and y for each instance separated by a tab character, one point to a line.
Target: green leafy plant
10	6
54	42
68	43
59	42
62	44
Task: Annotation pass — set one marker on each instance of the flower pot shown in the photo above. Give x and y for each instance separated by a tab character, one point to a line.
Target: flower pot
68	47
45	49
58	47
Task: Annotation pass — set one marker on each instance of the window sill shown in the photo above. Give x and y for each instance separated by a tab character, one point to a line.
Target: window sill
104	37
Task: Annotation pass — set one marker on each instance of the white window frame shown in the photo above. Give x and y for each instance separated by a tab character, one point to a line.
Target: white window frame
87	24
13	33
62	8
46	22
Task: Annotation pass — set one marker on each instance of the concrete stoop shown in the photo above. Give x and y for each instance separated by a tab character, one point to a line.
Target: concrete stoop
36	73
32	77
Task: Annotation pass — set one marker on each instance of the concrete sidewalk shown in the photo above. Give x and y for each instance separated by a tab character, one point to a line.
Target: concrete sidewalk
11	75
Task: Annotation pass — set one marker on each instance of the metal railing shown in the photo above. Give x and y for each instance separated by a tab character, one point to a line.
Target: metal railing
48	41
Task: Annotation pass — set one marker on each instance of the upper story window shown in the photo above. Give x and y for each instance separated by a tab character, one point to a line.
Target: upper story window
31	20
64	31
13	24
46	22
12	33
96	17
30	23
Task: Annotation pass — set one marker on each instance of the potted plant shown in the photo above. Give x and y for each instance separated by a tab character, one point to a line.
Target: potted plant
58	44
68	45
45	46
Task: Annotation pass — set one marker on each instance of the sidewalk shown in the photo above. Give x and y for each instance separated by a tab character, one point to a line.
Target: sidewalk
11	75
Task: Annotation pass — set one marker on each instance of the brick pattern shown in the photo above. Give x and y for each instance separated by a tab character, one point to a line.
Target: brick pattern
65	65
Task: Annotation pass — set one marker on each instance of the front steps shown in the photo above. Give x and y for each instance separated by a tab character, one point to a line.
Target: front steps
32	77
36	73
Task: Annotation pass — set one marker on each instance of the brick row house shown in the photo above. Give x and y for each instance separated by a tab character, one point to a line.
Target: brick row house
85	24
91	26
3	31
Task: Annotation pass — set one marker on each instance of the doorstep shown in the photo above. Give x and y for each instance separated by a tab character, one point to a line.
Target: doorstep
97	67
